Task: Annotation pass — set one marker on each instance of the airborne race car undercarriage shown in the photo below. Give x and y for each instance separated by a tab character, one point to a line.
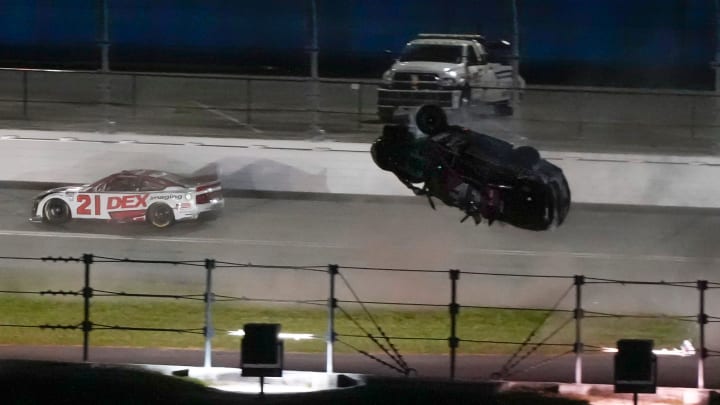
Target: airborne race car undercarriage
485	177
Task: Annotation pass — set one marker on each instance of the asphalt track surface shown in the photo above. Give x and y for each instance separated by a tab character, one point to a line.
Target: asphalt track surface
623	243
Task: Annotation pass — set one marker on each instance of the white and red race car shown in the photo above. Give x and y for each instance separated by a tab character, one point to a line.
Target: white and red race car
156	197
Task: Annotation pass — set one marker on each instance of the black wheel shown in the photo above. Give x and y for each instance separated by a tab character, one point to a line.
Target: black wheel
56	212
503	109
386	114
526	156
431	119
160	215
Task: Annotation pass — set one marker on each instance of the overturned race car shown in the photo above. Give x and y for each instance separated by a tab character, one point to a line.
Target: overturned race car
485	177
156	197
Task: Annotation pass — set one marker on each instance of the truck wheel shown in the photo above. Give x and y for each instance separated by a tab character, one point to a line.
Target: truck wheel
386	114
503	109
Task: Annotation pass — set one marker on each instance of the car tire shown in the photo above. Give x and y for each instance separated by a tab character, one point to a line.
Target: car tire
160	215
431	119
526	157
56	212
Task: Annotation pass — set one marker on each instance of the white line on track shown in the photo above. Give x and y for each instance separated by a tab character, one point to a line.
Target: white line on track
96	236
321	245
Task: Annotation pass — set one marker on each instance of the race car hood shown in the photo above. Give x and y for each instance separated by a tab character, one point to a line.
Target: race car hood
63	189
428	67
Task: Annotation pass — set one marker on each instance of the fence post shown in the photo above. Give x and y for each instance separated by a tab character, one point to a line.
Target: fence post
360	107
248	102
702	319
133	93
453	340
332	304
578	313
209	298
87	294
25	93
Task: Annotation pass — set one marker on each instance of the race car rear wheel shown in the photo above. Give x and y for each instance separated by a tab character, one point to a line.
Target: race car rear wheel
160	215
431	119
526	156
56	212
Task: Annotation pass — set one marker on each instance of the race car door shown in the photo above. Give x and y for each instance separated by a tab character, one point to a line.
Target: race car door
117	198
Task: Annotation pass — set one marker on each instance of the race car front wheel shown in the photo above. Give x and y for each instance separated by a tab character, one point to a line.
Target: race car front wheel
56	212
160	215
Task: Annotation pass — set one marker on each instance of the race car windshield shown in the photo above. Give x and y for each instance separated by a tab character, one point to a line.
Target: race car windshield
432	53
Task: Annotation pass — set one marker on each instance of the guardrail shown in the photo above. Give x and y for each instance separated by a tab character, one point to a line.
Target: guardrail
338	300
185	103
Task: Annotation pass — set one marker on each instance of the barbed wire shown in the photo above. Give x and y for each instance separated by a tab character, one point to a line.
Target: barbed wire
409	304
41	326
43	259
42	292
98	326
394	337
594	314
516	308
596	280
226	298
105	293
480	273
225	264
104	259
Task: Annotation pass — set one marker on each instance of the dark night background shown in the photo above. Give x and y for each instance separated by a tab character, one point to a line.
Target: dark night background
637	43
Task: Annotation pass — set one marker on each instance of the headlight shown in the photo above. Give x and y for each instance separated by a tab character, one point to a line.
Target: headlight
387	76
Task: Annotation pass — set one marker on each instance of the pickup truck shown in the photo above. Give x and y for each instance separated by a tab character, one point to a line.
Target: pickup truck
450	71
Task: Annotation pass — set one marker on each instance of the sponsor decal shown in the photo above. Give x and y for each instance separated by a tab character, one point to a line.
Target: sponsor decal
166	197
127	202
92	204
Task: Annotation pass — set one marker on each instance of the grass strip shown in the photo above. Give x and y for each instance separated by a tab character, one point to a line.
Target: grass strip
427	330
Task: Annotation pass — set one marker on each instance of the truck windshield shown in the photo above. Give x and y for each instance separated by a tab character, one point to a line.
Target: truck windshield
432	53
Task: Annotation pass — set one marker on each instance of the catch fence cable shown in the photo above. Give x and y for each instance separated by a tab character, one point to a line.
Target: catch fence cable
507	366
405	371
539	364
396	354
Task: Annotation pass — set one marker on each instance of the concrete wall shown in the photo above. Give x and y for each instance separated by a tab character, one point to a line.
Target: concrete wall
333	167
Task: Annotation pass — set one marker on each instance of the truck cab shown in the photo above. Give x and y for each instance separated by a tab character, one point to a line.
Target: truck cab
451	71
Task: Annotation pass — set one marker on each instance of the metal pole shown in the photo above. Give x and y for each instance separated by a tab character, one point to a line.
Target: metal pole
314	75
104	36
716	63
579	281
25	93
248	101
134	94
702	285
360	107
453	340
332	304
87	294
209	298
515	54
